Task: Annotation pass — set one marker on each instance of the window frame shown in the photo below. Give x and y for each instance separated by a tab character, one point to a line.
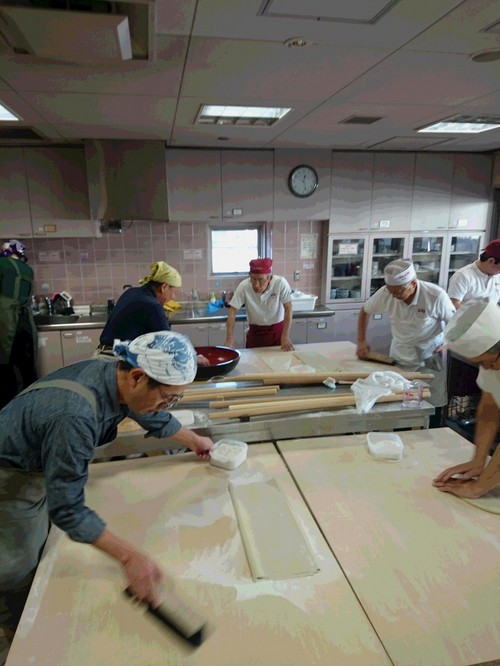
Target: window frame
261	228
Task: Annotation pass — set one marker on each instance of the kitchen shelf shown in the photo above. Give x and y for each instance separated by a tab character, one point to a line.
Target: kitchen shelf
341	278
388	254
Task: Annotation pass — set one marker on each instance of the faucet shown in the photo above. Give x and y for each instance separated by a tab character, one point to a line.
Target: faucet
50	305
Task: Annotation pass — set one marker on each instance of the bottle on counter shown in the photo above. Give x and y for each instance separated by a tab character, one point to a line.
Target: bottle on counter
42	306
212	298
34	306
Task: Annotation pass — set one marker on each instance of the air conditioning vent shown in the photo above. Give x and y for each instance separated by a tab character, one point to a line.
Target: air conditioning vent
62	31
361	120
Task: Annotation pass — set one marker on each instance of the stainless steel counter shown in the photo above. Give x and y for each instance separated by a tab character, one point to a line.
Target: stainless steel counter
184	316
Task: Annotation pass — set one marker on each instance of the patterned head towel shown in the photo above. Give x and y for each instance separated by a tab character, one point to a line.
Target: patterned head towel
166	356
13	247
162	272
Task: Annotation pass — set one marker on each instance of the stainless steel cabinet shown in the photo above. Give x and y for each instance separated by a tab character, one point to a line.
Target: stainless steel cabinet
298	331
49	356
197	333
79	345
320	329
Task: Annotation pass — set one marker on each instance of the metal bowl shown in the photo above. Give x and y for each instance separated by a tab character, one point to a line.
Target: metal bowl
222	360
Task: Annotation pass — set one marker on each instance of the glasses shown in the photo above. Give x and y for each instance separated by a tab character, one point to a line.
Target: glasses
259	280
169	400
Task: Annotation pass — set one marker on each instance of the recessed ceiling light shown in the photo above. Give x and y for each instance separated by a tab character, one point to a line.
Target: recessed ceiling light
296	42
239	115
463	125
486	56
5	114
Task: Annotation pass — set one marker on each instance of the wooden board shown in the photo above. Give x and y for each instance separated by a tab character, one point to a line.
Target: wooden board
179	509
424	564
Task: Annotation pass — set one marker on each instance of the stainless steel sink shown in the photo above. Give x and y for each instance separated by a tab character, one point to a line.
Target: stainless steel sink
55	319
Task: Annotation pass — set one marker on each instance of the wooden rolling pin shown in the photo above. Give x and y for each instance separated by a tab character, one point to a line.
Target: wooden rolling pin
300	405
380	358
221	394
314	377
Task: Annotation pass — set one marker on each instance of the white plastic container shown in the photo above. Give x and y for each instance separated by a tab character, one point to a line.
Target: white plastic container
385	446
228	453
302	302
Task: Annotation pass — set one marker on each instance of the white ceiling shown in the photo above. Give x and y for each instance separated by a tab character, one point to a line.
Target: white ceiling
407	61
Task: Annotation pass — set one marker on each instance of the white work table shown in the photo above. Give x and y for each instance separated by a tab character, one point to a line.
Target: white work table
425	565
328	356
179	510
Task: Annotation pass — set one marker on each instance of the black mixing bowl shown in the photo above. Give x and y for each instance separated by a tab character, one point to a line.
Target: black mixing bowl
222	360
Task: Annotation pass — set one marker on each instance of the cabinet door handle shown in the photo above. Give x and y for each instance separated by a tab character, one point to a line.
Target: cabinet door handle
68	335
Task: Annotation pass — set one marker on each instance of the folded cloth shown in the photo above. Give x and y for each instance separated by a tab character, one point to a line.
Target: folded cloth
366	391
171	306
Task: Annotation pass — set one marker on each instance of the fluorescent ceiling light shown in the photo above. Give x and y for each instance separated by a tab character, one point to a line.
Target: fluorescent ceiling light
463	125
211	114
5	114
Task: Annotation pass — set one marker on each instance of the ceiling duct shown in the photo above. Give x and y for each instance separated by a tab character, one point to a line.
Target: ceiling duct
104	33
127	180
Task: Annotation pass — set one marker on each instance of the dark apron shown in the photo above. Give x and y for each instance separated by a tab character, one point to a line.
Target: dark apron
265	336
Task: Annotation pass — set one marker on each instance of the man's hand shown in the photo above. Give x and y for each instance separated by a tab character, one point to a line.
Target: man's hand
468	471
286	344
362	350
202	360
202	447
143	577
461	488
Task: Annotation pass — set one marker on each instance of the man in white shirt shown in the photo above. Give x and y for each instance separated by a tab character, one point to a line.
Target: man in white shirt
481	279
474	332
268	302
417	311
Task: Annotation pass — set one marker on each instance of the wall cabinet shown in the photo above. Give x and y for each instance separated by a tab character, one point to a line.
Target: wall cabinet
392	191
351	199
193	185
471	204
289	207
205	185
15	218
432	192
58	191
247	185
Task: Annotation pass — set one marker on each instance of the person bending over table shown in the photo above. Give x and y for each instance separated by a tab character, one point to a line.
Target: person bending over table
139	310
474	332
417	311
268	302
48	434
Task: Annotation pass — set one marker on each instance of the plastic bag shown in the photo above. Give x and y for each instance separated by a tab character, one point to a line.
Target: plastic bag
366	391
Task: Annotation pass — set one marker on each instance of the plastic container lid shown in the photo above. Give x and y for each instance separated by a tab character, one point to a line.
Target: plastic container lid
228	453
385	446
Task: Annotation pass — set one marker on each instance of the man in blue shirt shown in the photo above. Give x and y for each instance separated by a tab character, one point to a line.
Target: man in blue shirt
139	310
47	439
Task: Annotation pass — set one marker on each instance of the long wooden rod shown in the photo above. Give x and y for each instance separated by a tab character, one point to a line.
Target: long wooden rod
313	377
220	394
299	406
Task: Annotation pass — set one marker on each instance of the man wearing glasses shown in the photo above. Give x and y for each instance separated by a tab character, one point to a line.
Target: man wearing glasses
48	435
418	311
268	302
474	332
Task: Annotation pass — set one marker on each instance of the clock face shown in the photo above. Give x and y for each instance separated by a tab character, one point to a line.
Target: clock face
302	181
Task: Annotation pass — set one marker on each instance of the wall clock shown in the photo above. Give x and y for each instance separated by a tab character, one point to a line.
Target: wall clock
302	180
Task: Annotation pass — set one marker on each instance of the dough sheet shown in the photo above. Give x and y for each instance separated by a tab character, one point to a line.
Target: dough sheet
274	543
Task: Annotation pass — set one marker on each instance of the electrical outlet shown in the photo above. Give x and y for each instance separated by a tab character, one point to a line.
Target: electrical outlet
296	275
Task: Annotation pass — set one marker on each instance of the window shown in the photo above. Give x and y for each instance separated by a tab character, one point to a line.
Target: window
232	248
